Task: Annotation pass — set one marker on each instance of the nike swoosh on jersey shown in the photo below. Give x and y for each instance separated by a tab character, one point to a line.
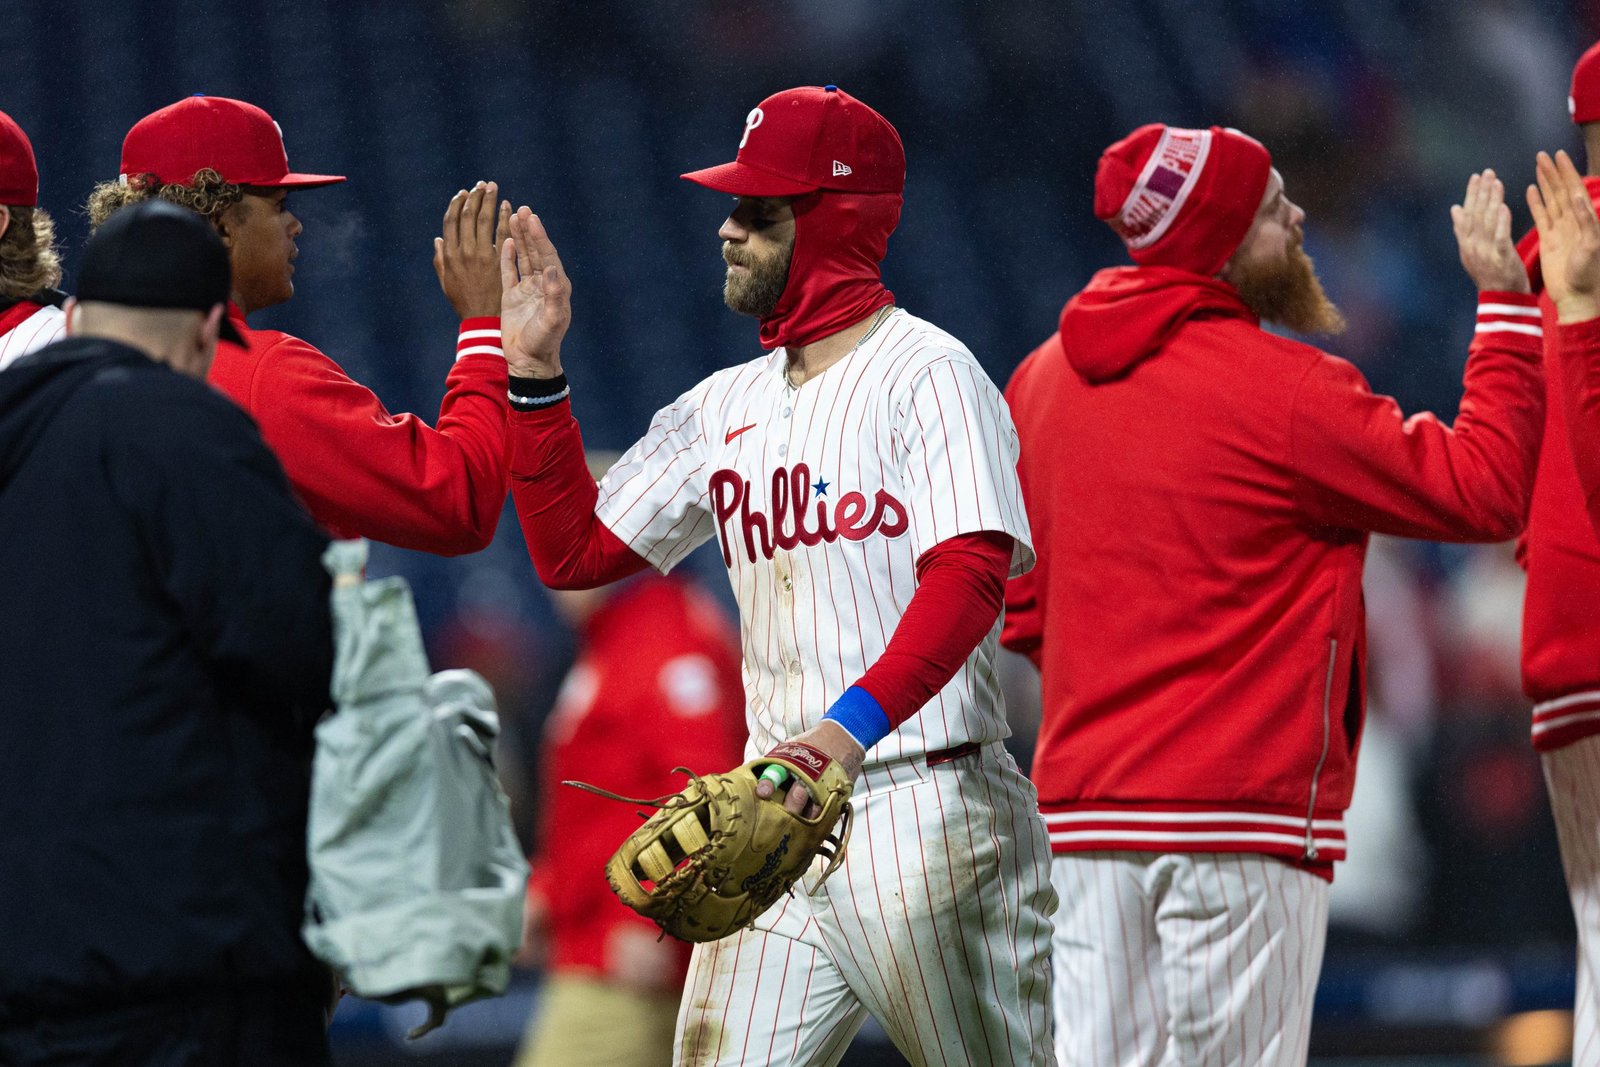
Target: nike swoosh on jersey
735	433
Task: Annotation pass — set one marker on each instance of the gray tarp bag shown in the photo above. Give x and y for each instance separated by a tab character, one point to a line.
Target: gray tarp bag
417	879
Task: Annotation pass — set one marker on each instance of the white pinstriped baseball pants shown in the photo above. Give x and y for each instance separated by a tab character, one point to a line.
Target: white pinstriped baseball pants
1572	775
1185	959
938	924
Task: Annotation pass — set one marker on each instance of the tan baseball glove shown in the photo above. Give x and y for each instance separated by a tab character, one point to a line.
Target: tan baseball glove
715	856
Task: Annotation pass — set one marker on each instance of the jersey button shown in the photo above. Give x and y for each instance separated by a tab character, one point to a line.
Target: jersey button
787	412
783	450
794	667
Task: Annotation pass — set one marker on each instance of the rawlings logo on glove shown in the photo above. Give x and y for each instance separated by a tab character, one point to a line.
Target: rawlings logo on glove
715	856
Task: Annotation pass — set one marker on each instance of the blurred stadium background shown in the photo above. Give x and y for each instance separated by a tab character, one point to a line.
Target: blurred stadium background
1452	938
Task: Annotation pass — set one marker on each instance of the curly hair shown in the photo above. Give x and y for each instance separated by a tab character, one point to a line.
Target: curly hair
29	261
206	193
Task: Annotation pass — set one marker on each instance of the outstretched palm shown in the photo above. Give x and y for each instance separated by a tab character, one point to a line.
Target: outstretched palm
536	299
1483	236
1569	238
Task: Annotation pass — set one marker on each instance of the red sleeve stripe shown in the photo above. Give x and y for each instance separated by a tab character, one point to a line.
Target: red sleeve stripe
1509	313
1193	831
1557	723
479	337
1501	326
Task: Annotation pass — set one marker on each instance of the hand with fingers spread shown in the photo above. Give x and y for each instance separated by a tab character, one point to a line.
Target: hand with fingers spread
1483	237
465	255
536	298
1569	238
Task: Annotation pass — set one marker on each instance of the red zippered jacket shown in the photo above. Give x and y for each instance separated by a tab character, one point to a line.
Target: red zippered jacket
363	472
1200	493
1577	353
1561	553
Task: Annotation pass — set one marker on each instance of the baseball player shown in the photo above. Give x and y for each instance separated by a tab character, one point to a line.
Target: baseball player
1201	494
858	479
30	306
1561	627
359	470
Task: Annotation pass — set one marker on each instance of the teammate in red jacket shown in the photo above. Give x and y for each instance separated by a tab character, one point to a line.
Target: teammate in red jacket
1201	492
359	470
1561	551
656	686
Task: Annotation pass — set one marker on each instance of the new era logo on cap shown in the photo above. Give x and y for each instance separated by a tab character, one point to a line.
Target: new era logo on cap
804	137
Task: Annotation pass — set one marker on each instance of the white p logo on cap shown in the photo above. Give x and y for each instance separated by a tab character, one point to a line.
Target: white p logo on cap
751	121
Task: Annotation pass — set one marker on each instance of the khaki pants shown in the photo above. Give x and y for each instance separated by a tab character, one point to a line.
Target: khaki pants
583	1021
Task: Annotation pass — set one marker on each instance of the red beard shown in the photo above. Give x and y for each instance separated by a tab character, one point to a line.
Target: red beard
1287	292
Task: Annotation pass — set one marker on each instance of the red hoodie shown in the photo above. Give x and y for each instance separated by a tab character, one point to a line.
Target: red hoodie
1561	553
1200	493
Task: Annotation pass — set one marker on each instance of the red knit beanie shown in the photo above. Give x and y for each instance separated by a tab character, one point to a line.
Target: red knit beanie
1584	100
1182	198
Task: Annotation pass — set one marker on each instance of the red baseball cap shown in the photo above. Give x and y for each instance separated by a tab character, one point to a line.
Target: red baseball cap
237	140
1584	101
814	137
19	174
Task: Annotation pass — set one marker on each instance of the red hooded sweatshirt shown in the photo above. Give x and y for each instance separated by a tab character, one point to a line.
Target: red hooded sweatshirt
1561	553
1200	493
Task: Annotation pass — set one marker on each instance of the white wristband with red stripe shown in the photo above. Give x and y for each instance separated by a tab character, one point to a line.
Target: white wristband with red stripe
480	337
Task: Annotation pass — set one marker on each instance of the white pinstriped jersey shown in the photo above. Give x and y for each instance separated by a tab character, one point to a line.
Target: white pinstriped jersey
43	327
822	498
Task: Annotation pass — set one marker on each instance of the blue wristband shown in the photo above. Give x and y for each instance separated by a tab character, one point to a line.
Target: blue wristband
862	717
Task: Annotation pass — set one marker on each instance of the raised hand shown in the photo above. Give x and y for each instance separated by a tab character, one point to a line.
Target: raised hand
464	255
536	298
1569	238
1483	236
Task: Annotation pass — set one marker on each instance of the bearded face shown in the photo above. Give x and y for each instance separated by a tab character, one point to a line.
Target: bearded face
1285	290
756	280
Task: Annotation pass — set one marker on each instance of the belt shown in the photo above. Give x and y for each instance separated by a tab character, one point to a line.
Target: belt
945	755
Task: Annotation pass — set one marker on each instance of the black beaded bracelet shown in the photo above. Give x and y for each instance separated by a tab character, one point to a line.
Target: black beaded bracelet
531	394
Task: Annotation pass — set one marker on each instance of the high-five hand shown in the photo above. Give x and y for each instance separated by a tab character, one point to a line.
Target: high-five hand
1483	237
536	299
1569	238
464	255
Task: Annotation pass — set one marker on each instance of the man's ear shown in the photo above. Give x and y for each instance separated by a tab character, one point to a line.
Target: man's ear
225	223
210	330
5	219
71	309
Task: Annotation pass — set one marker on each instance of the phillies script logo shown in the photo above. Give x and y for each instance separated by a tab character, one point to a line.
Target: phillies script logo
793	521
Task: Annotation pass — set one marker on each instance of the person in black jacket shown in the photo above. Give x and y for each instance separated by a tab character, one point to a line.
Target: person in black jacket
165	650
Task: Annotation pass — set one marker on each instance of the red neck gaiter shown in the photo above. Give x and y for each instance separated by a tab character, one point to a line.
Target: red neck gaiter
840	240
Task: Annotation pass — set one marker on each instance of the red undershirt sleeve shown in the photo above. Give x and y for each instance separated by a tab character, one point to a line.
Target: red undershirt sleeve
960	586
555	495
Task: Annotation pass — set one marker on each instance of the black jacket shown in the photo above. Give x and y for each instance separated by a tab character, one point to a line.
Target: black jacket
165	649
